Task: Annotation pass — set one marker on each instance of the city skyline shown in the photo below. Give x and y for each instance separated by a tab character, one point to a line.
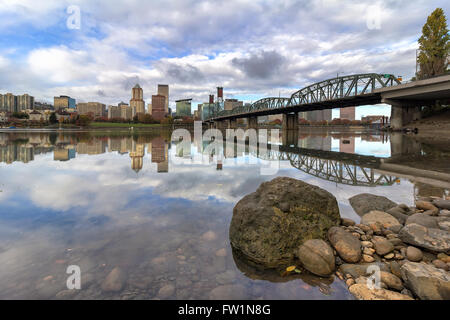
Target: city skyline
107	55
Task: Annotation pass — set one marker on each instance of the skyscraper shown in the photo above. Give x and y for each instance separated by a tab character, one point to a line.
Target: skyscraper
137	103
347	113
158	103
183	107
163	90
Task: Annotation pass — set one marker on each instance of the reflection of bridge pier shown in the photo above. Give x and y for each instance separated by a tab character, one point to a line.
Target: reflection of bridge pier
289	137
403	145
252	122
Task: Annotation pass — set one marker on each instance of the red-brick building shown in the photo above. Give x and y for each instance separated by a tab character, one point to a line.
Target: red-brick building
158	106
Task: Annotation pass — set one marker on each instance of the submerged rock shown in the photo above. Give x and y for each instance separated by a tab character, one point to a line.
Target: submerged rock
366	202
426	281
270	224
114	281
317	257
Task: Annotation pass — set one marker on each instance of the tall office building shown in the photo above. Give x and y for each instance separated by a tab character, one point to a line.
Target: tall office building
12	103
25	102
137	103
230	104
158	107
347	113
114	112
184	107
63	102
163	90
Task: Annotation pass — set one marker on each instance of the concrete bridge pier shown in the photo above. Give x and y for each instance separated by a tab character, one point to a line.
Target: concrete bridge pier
252	122
402	115
232	124
290	121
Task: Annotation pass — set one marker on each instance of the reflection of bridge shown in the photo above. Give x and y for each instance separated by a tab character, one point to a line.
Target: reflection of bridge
343	168
341	92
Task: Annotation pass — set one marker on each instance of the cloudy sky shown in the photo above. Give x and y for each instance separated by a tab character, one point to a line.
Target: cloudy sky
251	48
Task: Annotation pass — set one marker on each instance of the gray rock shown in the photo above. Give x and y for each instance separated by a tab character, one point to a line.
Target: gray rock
391	280
426	281
360	270
365	202
317	257
269	225
423	219
382	246
443	223
347	246
442	204
399	213
413	254
432	239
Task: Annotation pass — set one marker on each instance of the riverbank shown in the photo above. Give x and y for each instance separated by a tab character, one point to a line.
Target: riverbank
433	130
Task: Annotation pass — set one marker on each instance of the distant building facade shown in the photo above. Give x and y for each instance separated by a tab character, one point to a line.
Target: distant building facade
63	102
97	109
163	90
183	108
137	102
347	113
158	107
19	103
230	104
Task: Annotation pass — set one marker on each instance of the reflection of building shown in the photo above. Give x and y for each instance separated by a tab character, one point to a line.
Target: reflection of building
183	107
137	103
63	154
97	109
348	113
158	107
347	145
160	154
63	102
16	152
96	146
163	90
137	156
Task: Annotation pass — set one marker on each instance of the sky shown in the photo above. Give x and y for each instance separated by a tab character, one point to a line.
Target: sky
253	49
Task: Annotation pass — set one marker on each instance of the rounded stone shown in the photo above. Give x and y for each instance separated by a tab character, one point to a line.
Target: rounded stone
317	257
382	246
166	291
413	254
385	219
347	246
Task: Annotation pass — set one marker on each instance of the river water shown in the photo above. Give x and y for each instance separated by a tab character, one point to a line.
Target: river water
148	207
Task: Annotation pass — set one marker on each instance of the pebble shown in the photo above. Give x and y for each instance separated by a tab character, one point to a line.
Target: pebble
367	244
221	252
413	254
367	258
389	256
209	236
368	251
440	264
350	282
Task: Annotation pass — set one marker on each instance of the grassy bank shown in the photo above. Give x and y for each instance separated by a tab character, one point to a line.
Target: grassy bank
123	125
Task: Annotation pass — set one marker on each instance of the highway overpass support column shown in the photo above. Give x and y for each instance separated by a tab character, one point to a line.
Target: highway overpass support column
290	121
401	115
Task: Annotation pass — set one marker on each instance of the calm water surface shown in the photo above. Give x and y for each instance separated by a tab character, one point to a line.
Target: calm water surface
102	200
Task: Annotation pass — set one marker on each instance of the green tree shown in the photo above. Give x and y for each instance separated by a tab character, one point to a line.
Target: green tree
434	46
53	118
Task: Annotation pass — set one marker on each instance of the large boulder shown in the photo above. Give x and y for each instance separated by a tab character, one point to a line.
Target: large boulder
400	213
362	292
366	202
423	219
347	245
375	216
317	257
426	281
270	224
429	238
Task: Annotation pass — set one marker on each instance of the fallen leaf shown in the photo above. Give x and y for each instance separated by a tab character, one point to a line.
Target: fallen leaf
291	268
298	271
